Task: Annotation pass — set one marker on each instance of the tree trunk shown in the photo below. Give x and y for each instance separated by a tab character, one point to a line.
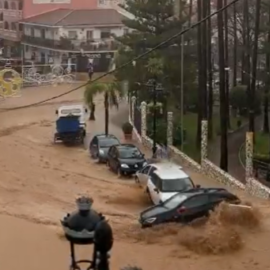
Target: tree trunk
210	73
204	60
254	67
92	112
226	56
222	92
200	79
235	43
106	105
266	87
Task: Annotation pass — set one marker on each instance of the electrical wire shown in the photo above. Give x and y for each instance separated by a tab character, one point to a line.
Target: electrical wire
129	62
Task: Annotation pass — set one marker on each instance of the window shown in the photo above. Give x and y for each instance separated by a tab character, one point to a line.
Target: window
42	33
6	5
130	153
175	201
154	179
1	17
1	5
72	34
171	185
13	26
20	5
146	169
6	25
13	6
89	35
196	201
106	143
32	32
105	34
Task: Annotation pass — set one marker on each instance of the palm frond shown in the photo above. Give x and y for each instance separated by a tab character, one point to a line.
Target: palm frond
91	90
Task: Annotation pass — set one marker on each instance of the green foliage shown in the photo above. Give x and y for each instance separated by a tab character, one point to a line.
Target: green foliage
153	23
113	90
161	134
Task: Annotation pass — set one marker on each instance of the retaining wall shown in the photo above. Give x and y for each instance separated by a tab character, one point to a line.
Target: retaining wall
206	167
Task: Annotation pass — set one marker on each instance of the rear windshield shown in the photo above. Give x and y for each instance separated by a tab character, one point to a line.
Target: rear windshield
174	185
108	142
175	201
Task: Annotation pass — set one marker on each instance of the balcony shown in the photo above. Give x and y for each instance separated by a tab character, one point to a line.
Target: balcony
11	14
71	45
10	35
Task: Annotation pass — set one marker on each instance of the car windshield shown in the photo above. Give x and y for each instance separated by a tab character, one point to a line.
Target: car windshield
175	201
174	185
129	153
104	143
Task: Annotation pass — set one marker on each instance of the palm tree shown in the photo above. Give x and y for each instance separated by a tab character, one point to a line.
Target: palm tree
111	93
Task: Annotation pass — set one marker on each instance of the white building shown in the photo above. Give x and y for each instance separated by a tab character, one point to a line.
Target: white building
78	34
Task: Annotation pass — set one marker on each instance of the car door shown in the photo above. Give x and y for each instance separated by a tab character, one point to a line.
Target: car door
143	175
195	207
113	159
94	147
153	183
110	156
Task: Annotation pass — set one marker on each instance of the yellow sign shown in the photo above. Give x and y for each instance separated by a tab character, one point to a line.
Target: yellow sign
10	83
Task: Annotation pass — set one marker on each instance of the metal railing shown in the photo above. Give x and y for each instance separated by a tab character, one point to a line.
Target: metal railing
67	44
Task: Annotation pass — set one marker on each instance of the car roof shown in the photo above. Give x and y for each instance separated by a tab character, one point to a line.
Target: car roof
196	191
74	106
104	136
107	137
169	171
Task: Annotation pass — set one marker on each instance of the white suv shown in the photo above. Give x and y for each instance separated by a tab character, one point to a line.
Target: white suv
163	180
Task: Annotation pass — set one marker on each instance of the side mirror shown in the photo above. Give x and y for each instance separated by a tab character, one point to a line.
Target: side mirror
198	186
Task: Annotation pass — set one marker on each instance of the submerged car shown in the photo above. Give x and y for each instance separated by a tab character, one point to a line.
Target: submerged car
187	206
163	180
100	145
125	159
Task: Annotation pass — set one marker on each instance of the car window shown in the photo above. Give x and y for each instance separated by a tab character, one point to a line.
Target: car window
171	185
129	152
174	201
196	201
106	143
94	141
154	179
111	151
152	170
146	169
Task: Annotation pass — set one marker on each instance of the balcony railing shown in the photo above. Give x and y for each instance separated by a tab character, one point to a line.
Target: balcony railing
66	44
11	13
10	34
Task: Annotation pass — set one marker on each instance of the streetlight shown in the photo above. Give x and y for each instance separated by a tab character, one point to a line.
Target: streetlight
85	227
155	88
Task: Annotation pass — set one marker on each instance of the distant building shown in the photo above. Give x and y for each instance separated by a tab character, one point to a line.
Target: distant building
79	35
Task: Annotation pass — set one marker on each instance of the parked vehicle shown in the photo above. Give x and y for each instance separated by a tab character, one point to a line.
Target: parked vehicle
70	124
100	145
187	206
125	159
163	180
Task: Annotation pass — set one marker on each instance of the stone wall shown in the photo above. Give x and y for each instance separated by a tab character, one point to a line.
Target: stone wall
206	167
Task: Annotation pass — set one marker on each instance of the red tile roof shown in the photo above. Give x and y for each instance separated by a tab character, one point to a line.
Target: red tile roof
69	17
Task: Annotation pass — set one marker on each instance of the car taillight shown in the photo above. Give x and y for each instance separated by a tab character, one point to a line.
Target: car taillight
181	210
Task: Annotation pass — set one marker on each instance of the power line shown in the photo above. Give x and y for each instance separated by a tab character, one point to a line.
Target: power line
129	62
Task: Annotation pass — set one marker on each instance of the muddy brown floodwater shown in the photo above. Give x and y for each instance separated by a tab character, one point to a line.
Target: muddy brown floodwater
39	182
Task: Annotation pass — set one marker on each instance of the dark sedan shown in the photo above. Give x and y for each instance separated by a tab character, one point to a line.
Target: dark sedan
187	206
125	159
100	146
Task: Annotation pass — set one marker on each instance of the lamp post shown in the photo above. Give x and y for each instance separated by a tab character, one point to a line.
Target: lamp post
155	88
85	227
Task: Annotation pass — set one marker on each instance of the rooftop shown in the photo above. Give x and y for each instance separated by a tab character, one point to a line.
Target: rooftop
169	171
70	17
